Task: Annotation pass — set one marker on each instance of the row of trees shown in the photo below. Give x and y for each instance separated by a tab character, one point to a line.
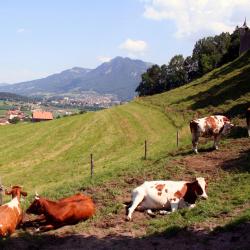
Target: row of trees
208	53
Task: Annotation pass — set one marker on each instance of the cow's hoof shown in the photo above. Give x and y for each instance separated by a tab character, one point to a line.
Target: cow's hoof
128	218
150	213
163	212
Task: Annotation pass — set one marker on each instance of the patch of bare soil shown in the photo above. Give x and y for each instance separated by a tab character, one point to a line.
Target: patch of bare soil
230	157
238	238
113	232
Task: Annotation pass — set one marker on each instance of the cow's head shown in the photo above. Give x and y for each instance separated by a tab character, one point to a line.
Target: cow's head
200	187
227	128
16	191
35	207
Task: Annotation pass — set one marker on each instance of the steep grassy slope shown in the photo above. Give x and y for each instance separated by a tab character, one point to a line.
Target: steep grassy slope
53	157
225	90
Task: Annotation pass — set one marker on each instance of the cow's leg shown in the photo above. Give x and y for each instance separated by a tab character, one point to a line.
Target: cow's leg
149	212
192	206
45	228
195	138
137	198
164	212
182	204
216	141
174	204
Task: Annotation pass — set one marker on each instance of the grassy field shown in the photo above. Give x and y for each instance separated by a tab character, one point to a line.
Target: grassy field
53	158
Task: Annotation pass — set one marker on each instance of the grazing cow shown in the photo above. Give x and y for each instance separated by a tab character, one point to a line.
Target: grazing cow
215	126
248	121
66	211
11	212
164	195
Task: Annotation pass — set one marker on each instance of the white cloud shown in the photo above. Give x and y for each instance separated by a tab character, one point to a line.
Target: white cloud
21	30
103	59
196	16
134	47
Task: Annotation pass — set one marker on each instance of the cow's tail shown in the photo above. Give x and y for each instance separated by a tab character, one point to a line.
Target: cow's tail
193	126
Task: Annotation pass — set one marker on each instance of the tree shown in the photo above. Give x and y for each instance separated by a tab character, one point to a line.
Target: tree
150	83
234	47
191	68
208	52
177	74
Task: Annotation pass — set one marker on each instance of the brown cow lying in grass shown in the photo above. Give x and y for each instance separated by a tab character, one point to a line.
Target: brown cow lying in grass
11	213
66	211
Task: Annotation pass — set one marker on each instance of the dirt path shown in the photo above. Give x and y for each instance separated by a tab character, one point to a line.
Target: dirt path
114	233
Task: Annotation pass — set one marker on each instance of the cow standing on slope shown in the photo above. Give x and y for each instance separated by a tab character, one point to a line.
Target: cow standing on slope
248	121
164	195
11	213
215	126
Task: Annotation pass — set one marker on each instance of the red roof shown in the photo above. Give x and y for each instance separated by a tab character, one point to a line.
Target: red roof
14	112
42	115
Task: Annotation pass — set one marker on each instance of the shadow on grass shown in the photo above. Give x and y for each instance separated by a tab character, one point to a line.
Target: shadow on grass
235	236
238	110
231	225
229	90
191	152
236	64
238	132
240	163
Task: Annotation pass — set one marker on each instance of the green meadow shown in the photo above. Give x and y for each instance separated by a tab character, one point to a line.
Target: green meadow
53	158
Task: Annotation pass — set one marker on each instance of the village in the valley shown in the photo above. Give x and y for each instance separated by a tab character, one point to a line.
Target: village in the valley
13	111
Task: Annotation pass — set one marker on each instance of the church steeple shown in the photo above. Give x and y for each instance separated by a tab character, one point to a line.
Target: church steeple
244	37
245	23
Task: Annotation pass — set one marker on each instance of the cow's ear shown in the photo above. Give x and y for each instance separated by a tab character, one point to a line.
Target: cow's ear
8	192
24	193
37	197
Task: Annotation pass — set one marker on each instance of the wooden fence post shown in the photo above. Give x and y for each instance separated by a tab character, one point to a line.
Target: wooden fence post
177	138
91	165
1	192
145	150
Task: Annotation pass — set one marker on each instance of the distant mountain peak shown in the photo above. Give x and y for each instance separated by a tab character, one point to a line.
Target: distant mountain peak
77	70
120	76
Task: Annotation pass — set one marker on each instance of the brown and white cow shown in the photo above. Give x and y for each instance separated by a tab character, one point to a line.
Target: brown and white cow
248	121
165	195
215	126
66	211
11	212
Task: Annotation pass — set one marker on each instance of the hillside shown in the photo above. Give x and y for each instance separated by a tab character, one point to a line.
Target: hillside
5	96
52	158
119	77
225	90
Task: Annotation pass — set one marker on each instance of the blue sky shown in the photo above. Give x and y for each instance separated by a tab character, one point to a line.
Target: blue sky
43	37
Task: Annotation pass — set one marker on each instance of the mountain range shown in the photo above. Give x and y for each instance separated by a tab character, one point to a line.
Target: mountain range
119	77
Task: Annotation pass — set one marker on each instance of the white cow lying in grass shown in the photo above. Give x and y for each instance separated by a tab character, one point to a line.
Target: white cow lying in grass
164	195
